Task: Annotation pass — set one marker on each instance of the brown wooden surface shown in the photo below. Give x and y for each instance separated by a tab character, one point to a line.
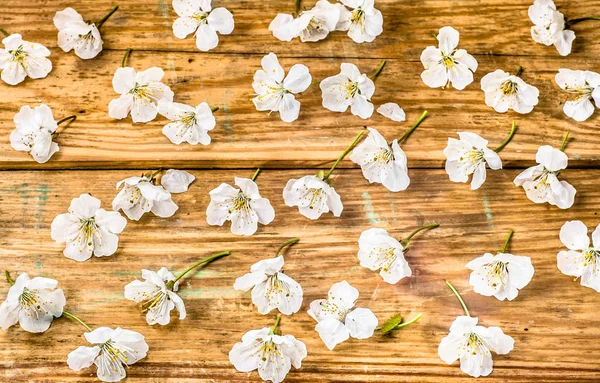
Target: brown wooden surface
553	321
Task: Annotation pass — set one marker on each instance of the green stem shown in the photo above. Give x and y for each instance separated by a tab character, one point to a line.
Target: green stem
8	278
155	174
297	4
510	234
564	141
109	14
255	174
568	23
315	82
126	56
344	153
276	325
214	108
510	136
459	298
170	284
410	321
378	71
412	129
72	118
519	71
405	241
287	243
68	314
4	32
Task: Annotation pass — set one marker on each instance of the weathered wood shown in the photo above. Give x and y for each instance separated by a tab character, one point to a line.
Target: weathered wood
245	137
553	320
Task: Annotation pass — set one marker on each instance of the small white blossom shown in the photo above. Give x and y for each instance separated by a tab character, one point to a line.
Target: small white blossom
380	251
501	275
140	195
87	229
582	260
392	111
188	124
176	181
313	196
276	93
271	288
351	89
244	207
312	25
380	163
446	64
363	22
20	59
467	156
473	346
156	298
582	86
33	303
112	352
34	129
504	91
198	17
271	354
76	34
549	26
541	182
337	321
140	94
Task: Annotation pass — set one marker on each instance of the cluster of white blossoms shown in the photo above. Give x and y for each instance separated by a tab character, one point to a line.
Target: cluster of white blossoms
20	59
198	17
358	17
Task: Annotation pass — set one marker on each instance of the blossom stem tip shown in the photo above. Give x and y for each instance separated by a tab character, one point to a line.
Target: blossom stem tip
510	234
412	129
8	278
564	141
405	241
378	71
276	325
200	262
72	118
464	306
510	136
126	56
214	108
568	23
344	153
255	174
297	4
410	321
4	32
519	71
109	14
287	243
76	319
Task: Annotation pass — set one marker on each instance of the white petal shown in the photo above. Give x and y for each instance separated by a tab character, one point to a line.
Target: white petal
332	332
120	107
221	20
343	293
298	79
361	323
206	38
271	66
392	111
82	357
164	209
361	107
176	181
574	235
552	159
111	220
184	26
448	39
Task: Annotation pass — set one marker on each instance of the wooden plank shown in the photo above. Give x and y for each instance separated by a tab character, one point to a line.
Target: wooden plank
494	27
245	137
553	320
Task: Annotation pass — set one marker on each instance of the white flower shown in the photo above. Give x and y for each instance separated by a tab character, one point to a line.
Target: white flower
380	251
176	181
87	229
276	94
156	298
380	163
504	91
313	196
271	354
501	275
473	345
197	16
76	34
33	303
20	59
582	260
392	111
244	207
312	25
336	319
188	124
271	288
351	89
467	156
549	28
447	64
541	183
33	132
139	195
113	350
582	86
140	94
363	22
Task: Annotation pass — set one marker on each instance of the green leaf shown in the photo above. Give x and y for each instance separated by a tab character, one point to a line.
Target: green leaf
391	324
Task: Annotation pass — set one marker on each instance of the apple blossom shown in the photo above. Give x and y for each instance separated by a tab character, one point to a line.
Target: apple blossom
87	229
581	86
20	59
271	288
501	275
363	22
268	352
33	303
504	91
188	124
447	65
337	321
582	260
198	17
311	25
392	111
244	207
276	93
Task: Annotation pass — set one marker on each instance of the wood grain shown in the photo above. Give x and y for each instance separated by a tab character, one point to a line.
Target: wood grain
553	319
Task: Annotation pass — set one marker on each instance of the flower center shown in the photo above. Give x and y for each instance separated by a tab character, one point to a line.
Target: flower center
87	231
241	202
387	257
317	195
268	351
497	273
332	308
275	287
145	93
472	159
32	304
448	61
200	17
509	88
351	89
18	54
87	36
474	344
578	92
590	258
189	119
358	17
153	302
